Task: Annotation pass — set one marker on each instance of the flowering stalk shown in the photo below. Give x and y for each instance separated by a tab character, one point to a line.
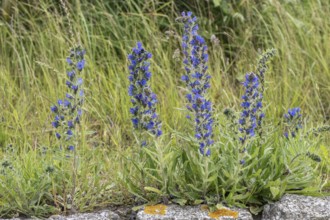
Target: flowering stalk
197	81
251	105
262	66
293	122
68	111
261	70
144	116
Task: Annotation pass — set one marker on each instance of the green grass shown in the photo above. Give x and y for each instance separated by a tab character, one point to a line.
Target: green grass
35	41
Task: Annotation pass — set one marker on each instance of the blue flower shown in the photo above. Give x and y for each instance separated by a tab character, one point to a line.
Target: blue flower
198	136
293	113
69	61
69	132
67	103
144	116
197	81
80	65
71	74
55	124
68	83
135	110
54	109
58	136
75	88
202	149
135	122
70	124
77	119
79	81
245	104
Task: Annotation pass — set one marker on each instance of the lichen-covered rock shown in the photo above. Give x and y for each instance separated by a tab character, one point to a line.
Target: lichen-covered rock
175	212
297	207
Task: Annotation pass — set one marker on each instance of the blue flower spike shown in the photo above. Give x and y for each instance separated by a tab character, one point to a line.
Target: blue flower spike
251	104
67	112
197	81
144	116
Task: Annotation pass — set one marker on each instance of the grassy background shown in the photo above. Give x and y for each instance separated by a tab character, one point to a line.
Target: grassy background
34	44
35	40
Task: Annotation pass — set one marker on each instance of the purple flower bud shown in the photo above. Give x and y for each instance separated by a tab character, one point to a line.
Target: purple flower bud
58	136
69	96
69	61
54	109
70	124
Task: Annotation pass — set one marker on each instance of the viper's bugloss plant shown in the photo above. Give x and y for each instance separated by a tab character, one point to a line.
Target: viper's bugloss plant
251	104
144	116
293	122
68	111
197	81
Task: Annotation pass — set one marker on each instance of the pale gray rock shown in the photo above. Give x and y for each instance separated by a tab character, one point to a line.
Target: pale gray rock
297	207
101	215
176	212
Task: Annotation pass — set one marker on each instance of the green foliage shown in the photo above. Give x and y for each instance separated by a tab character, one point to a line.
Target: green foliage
25	186
39	183
177	172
